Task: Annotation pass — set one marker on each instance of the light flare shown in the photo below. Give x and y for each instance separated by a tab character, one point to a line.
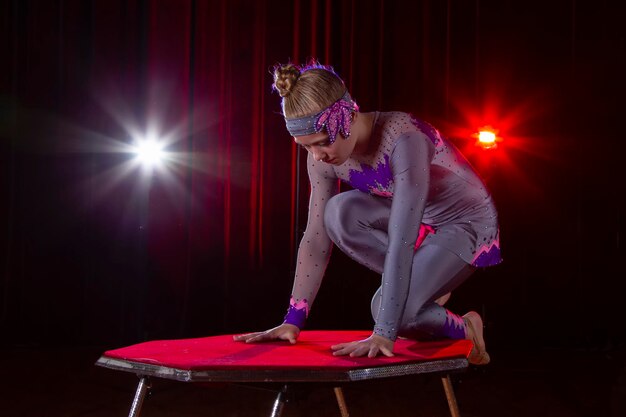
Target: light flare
149	152
487	138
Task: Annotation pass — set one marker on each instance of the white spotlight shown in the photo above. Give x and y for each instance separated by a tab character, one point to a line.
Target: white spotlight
149	152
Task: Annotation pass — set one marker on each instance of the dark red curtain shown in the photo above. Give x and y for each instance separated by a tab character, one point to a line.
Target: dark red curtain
91	254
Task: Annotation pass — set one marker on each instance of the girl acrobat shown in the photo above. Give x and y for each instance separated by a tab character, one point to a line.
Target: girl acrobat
419	215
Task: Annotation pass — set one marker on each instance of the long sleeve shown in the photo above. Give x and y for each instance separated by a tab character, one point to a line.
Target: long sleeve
315	246
410	165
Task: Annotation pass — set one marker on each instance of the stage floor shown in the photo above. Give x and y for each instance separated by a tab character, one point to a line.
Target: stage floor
65	383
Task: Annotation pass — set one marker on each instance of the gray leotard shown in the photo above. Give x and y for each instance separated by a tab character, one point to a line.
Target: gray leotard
429	182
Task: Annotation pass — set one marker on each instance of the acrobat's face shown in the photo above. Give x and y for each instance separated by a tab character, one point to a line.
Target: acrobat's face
319	146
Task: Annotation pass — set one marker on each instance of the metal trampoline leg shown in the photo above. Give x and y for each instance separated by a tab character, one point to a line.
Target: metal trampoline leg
279	403
447	386
140	395
341	401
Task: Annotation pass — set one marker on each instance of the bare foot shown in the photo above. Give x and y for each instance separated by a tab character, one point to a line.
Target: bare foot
474	332
443	299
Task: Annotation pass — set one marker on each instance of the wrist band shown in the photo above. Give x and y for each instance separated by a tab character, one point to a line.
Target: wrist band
297	313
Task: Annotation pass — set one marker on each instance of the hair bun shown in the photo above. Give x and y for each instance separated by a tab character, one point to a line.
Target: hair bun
285	77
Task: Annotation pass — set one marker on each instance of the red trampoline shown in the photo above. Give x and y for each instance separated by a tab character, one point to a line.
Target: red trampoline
220	359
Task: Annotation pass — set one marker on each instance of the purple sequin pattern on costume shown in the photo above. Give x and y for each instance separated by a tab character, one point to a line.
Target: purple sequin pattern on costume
297	313
454	327
428	130
488	255
373	180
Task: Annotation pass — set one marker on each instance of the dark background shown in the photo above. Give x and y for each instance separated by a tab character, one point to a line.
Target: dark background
81	267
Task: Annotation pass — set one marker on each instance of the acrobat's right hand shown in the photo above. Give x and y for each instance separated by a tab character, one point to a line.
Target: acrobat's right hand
285	331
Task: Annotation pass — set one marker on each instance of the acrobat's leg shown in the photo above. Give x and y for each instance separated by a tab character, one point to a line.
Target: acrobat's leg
357	223
434	270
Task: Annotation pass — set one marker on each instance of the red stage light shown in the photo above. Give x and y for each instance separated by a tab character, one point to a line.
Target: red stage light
487	138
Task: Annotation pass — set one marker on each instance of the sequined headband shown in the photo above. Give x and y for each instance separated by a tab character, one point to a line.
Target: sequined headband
334	118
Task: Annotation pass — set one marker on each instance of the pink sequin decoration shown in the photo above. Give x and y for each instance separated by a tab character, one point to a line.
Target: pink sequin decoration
424	231
336	118
300	305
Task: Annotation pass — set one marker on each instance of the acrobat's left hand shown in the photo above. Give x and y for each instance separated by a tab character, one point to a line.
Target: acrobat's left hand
371	347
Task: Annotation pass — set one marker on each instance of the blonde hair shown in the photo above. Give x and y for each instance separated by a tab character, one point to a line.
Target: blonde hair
308	90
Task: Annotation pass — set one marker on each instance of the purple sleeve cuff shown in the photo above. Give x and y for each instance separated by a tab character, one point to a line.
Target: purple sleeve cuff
297	313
